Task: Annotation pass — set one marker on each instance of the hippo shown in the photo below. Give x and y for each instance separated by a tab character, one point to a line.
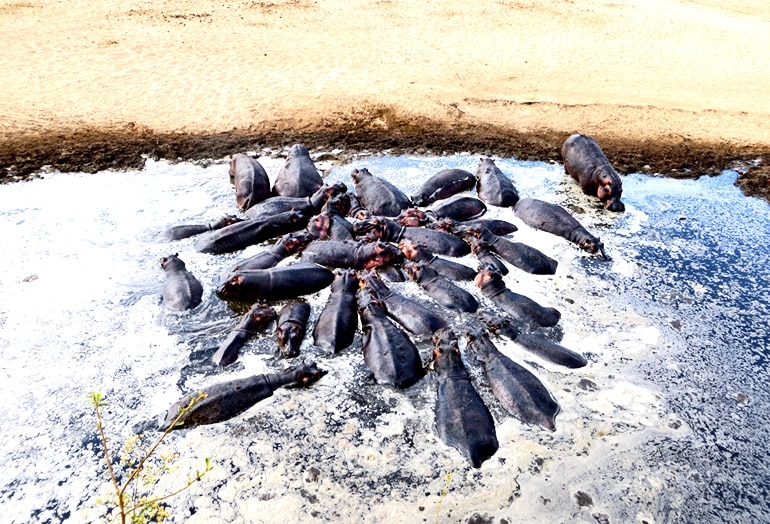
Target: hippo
308	205
413	217
276	283
292	325
336	327
249	232
494	225
556	220
250	181
458	208
444	184
463	421
181	290
446	268
357	210
585	162
441	242
351	255
486	256
287	245
189	230
522	308
410	314
256	319
534	343
298	177
225	400
388	352
519	391
520	255
328	226
493	186
440	289
378	196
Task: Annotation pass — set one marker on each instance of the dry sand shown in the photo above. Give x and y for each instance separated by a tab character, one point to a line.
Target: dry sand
675	87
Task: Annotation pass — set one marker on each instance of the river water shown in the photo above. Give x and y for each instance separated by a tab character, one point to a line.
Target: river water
667	423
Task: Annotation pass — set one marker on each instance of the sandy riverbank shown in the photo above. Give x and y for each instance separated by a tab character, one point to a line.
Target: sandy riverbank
666	86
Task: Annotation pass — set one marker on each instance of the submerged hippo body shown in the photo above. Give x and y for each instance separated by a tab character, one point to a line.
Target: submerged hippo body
298	177
292	325
493	186
440	289
410	314
351	255
307	205
226	400
443	184
189	230
556	220
250	181
486	256
551	351
519	391
377	195
287	245
181	290
522	256
256	319
336	326
277	283
585	162
463	421
249	232
519	306
388	352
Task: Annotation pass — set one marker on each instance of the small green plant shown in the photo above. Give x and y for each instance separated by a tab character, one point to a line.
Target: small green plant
132	499
442	494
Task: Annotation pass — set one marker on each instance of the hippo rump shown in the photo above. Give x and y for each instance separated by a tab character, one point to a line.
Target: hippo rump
585	162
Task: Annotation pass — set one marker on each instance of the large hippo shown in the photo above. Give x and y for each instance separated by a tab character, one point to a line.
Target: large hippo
463	421
287	245
225	400
292	325
189	230
585	162
556	220
351	255
256	319
298	177
522	256
440	289
307	205
336	326
377	195
181	290
519	391
495	225
243	234
250	181
519	306
441	242
493	186
443	184
410	314
388	352
276	283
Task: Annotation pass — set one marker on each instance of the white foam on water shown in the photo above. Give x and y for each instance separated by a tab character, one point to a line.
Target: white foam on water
80	310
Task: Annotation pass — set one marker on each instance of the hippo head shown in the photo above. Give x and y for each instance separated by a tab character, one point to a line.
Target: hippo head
445	224
609	191
320	225
593	246
339	203
172	263
446	354
487	276
289	339
412	217
358	175
293	243
367	298
486	165
298	150
383	254
262	314
367	226
229	289
306	374
409	249
225	221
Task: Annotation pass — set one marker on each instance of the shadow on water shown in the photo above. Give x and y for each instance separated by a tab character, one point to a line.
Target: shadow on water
667	423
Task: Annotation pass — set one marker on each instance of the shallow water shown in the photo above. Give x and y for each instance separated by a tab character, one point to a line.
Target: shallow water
667	423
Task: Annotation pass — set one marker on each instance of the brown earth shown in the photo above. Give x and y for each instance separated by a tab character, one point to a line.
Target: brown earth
677	88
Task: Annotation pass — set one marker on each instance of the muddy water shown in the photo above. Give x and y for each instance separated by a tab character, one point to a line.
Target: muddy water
667	423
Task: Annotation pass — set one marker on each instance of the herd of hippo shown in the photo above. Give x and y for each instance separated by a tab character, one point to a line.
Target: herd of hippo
358	242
